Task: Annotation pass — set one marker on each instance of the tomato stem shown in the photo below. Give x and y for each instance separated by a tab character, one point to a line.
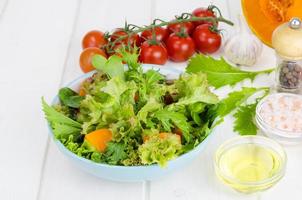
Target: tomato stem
182	33
153	40
213	7
184	17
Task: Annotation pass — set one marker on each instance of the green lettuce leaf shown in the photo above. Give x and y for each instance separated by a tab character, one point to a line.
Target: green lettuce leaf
219	72
152	78
158	150
170	120
84	150
113	67
70	98
115	87
61	125
195	110
90	113
194	88
130	57
151	106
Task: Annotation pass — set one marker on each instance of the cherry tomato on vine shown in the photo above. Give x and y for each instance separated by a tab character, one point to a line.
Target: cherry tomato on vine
86	56
161	34
94	38
203	12
206	39
176	27
180	47
134	38
153	53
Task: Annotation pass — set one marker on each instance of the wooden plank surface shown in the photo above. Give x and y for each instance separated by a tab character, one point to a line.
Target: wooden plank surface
40	43
290	186
33	48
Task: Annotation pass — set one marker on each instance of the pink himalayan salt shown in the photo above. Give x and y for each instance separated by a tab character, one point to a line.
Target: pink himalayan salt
283	113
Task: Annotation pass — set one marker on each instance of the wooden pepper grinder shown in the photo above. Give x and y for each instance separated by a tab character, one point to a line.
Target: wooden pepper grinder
287	41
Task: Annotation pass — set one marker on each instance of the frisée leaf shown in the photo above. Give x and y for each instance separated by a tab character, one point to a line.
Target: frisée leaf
194	88
158	150
170	119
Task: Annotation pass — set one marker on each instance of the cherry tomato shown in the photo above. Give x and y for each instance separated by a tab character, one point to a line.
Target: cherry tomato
206	40
203	12
134	38
176	28
161	34
86	56
94	38
153	53
180	48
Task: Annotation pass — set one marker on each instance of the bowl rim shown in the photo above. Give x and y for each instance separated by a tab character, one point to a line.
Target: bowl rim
275	131
87	161
277	176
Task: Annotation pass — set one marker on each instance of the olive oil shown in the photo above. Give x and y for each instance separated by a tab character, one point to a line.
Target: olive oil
246	167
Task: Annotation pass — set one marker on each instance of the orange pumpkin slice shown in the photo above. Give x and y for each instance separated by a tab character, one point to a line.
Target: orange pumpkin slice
264	16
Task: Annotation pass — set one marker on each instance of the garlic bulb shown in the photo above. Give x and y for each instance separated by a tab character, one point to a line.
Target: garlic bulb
242	48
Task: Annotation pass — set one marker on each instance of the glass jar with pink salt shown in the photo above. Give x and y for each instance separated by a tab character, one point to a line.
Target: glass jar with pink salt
279	116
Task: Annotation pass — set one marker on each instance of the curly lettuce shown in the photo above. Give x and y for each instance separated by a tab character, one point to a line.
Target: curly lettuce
160	149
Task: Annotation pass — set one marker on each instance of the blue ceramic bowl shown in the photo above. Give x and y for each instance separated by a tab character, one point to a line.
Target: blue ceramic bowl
129	173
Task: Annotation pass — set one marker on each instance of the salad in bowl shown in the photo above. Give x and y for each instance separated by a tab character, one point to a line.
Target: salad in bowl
131	122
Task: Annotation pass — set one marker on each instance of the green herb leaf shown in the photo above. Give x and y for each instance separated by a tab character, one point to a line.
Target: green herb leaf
170	119
234	100
115	152
70	98
219	72
244	120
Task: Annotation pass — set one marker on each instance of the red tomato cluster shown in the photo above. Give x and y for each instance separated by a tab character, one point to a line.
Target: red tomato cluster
177	42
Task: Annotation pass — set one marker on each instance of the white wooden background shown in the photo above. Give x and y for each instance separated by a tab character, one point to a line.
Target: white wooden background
40	42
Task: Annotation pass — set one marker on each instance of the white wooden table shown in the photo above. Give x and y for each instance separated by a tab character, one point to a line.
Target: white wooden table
40	41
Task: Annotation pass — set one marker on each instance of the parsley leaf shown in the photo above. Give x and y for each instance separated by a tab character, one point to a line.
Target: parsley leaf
219	72
115	152
244	120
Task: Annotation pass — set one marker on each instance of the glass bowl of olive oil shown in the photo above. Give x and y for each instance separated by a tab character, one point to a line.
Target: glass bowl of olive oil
250	163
